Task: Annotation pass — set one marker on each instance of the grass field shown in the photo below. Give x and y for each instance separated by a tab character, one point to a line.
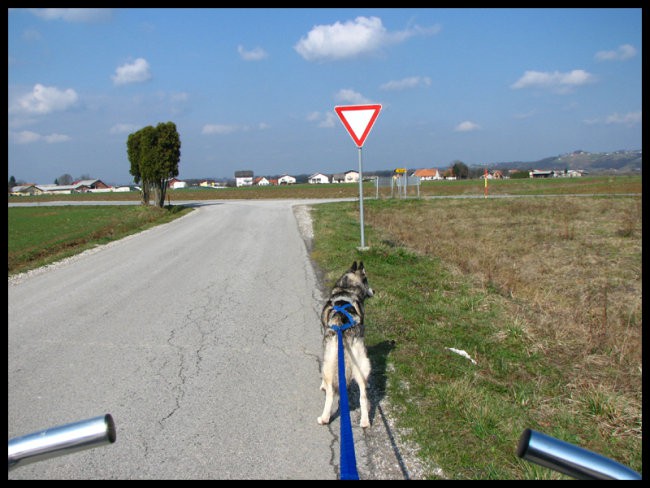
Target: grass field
543	293
43	234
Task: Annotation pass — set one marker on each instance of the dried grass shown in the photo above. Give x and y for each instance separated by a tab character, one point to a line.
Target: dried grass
569	267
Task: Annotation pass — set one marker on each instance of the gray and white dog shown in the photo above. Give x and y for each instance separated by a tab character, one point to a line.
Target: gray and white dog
346	303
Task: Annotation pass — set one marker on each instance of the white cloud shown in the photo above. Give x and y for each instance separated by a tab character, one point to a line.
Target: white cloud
73	14
467	126
324	120
256	54
31	34
223	129
46	99
625	51
123	128
406	83
555	81
352	38
347	95
136	72
28	137
525	115
630	119
54	138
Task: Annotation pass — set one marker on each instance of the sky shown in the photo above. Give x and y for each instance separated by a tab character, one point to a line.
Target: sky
256	89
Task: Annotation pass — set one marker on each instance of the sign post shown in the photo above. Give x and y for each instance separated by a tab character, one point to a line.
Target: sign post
358	120
485	175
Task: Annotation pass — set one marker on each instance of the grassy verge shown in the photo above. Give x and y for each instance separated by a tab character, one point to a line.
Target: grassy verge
42	235
545	296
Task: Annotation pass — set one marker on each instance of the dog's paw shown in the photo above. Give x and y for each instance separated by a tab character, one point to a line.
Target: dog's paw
322	421
365	423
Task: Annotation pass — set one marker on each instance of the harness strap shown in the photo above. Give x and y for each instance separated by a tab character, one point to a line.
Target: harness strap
350	322
348	460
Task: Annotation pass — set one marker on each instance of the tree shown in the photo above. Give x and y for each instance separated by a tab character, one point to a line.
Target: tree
133	150
167	155
460	169
154	153
65	179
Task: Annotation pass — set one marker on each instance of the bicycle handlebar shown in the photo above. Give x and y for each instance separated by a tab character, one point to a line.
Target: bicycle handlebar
61	440
569	459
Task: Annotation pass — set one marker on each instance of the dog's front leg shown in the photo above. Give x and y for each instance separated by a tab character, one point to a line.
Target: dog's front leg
329	377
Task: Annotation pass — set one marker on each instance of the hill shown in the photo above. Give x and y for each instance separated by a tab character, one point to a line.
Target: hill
619	162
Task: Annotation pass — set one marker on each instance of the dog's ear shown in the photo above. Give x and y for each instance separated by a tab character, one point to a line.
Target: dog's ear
354	266
360	265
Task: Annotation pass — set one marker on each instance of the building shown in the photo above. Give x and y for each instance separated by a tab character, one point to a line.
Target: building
176	183
318	178
261	181
286	180
428	174
347	177
243	178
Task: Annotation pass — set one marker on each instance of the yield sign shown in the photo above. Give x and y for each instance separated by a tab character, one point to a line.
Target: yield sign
358	120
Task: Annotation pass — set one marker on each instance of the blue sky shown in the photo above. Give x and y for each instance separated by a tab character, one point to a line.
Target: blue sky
256	89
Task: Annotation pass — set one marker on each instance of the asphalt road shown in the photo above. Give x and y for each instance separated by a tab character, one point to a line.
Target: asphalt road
201	338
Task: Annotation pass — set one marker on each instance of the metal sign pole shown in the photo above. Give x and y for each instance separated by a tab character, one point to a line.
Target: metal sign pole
363	241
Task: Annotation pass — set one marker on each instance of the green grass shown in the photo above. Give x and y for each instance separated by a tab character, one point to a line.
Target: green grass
41	235
466	418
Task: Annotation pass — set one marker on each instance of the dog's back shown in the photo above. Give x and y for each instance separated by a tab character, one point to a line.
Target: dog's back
352	287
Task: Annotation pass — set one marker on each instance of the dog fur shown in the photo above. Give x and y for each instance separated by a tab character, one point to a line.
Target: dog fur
352	287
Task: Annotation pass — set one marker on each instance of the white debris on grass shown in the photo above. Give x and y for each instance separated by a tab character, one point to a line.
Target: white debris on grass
462	353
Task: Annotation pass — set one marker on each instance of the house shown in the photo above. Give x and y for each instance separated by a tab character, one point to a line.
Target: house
176	183
56	189
261	181
428	174
286	180
347	177
574	173
125	188
317	178
83	186
26	190
243	178
538	173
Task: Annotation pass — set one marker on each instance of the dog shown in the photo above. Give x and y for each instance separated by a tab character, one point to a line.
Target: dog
349	293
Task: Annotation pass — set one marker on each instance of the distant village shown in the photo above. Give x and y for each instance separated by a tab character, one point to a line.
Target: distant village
245	178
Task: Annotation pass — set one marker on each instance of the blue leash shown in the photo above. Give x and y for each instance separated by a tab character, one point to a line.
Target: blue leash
348	460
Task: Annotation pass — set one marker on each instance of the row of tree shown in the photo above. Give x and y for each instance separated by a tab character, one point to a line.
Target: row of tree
154	154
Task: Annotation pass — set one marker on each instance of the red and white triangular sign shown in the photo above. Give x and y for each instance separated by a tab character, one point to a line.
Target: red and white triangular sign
358	120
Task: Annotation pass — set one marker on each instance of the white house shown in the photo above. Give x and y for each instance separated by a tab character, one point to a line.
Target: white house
317	178
244	178
176	183
347	177
286	180
261	181
427	174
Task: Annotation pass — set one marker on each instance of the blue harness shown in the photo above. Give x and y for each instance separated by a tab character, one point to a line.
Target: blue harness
348	460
